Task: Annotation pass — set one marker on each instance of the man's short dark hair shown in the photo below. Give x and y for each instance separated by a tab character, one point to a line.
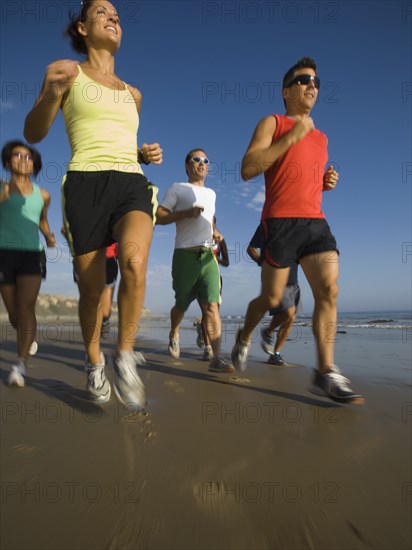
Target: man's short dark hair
304	63
8	150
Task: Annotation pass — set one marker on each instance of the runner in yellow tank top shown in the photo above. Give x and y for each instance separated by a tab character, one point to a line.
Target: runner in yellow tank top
105	197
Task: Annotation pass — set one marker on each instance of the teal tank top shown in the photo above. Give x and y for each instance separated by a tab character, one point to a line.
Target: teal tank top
19	221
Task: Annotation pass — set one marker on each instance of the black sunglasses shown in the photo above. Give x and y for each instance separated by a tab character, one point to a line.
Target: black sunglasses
305	79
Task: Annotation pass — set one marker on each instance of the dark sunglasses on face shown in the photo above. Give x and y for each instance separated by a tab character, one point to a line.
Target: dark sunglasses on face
305	79
198	159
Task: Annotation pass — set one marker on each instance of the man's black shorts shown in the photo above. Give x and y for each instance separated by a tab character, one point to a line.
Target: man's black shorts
287	240
112	270
94	201
14	263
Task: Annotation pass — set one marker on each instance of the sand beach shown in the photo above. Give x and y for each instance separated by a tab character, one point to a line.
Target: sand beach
249	461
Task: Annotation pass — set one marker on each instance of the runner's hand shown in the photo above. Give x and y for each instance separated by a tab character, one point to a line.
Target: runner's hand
5	193
152	153
58	78
194	212
51	240
302	127
330	178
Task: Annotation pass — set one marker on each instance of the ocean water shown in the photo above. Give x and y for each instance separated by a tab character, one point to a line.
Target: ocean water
398	320
391	326
378	343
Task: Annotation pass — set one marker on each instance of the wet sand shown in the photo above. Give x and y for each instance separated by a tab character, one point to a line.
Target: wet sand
216	461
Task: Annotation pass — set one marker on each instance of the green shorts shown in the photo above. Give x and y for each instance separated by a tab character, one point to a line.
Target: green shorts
196	276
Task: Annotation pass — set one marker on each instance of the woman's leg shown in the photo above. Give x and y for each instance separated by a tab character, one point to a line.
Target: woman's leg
107	299
91	272
134	236
27	290
9	295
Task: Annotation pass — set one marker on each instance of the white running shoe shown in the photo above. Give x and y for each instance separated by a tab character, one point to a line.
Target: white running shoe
16	376
240	352
33	348
97	384
267	342
173	348
217	364
335	386
208	353
128	386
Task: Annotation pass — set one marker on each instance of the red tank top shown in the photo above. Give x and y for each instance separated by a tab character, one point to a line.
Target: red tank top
294	182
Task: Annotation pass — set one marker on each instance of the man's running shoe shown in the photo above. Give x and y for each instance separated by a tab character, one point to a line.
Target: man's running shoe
16	376
139	358
105	331
173	348
335	386
277	359
33	348
267	342
128	386
217	364
208	353
240	352
200	341
97	384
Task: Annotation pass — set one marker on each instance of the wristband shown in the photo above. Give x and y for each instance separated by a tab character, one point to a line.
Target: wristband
140	157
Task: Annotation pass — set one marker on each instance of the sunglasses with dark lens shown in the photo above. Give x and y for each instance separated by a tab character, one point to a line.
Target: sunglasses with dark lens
198	159
22	156
305	79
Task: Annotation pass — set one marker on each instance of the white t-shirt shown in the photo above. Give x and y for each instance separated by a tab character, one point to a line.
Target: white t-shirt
191	232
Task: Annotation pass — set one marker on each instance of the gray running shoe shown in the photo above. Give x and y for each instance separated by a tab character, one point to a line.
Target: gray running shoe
16	376
335	386
97	384
240	352
217	364
277	359
267	342
200	341
128	386
105	331
173	348
208	353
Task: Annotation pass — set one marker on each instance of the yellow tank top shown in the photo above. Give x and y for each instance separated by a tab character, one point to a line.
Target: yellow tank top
102	125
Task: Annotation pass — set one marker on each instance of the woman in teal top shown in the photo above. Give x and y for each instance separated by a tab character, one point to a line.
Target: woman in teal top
23	212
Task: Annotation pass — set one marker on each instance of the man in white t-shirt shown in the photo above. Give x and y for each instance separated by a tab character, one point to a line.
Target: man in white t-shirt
195	271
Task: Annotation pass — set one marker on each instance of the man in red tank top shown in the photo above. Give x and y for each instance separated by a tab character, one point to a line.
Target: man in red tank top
292	154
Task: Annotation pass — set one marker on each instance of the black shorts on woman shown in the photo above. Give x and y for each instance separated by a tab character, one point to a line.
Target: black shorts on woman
93	202
19	262
287	240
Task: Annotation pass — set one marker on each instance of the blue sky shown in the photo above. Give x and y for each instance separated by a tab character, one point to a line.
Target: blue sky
209	71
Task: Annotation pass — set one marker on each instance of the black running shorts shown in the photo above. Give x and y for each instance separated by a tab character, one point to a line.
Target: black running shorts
112	270
287	240
14	263
94	201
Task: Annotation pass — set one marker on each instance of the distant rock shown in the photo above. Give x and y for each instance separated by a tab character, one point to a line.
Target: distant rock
49	305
